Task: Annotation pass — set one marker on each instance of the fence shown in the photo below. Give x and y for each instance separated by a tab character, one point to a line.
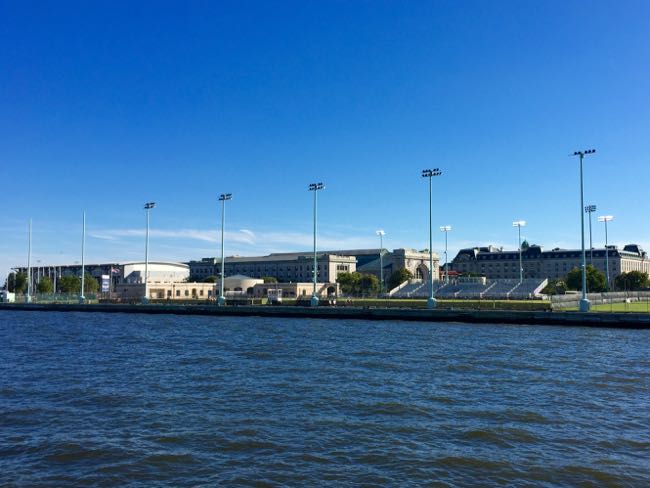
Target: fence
619	301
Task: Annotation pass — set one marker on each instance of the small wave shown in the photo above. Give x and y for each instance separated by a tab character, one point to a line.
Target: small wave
469	462
250	445
442	399
312	458
582	472
490	436
256	355
169	440
503	437
67	453
392	408
167	458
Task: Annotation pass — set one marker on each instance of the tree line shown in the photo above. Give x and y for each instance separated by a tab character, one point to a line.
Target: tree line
597	282
17	283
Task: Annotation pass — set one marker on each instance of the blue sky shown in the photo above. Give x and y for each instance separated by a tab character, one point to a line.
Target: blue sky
107	105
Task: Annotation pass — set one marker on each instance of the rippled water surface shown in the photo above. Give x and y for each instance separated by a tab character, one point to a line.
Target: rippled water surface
114	400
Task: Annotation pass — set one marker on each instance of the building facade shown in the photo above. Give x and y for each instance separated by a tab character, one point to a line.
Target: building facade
495	263
417	262
297	267
239	287
285	267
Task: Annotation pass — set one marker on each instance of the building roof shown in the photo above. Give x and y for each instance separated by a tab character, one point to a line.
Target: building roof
534	251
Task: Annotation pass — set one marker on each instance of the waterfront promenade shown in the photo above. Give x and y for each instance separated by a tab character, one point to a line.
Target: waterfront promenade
613	320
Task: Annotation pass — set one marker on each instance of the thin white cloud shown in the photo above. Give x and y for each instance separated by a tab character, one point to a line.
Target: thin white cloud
244	236
243	241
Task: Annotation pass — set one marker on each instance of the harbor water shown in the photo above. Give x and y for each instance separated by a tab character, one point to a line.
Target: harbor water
130	400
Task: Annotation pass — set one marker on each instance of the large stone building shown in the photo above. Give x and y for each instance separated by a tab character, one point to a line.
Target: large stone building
285	267
417	262
297	267
495	263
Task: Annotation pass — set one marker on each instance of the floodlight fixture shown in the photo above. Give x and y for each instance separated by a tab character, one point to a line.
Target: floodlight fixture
430	173
315	187
605	219
221	301
584	301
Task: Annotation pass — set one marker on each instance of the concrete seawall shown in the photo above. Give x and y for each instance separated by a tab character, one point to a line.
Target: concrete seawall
612	320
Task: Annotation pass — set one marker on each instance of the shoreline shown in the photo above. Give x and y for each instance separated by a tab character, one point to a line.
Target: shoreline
579	319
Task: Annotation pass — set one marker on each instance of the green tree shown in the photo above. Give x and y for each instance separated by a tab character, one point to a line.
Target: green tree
596	281
349	283
91	285
270	279
369	285
555	287
524	245
17	283
69	284
210	279
632	280
45	285
398	277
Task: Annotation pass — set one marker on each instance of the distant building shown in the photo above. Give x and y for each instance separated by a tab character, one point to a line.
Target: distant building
118	273
495	263
285	267
235	287
298	266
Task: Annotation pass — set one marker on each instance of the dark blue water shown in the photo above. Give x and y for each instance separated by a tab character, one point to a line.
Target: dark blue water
115	400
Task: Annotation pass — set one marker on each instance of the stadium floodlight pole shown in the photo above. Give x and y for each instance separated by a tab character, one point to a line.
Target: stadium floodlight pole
605	219
519	224
28	299
315	187
82	298
584	302
430	173
223	198
590	209
446	229
145	299
381	235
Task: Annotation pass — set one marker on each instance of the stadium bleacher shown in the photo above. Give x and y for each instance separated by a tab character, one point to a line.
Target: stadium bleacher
477	289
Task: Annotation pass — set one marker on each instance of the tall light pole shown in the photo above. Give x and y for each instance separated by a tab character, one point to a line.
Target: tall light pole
605	219
145	299
446	229
430	173
381	235
223	198
584	302
82	298
519	224
590	209
29	264
315	187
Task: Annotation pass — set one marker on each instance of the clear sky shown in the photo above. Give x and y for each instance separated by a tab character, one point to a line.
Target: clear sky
107	105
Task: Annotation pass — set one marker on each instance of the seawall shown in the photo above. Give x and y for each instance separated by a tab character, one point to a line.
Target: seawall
593	319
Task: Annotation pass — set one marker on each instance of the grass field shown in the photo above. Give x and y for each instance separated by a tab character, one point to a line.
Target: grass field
638	307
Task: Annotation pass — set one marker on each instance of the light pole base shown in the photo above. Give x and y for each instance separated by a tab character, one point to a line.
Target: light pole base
432	303
82	299
144	301
585	305
221	301
314	301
